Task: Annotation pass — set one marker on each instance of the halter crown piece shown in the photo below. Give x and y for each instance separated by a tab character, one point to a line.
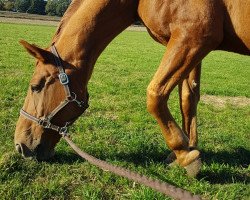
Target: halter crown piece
71	97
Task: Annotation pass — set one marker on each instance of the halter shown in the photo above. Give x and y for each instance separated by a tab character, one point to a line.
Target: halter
71	97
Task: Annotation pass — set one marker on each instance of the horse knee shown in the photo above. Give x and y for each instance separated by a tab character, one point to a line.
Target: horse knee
155	101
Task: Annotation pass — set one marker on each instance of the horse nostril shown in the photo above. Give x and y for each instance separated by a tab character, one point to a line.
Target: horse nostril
19	148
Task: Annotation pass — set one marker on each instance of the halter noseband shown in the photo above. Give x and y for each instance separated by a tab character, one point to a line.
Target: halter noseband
70	97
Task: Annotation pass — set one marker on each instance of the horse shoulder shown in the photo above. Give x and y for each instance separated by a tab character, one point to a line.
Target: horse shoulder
200	21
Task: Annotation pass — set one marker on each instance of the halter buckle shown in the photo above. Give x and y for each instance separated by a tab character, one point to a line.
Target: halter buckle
64	80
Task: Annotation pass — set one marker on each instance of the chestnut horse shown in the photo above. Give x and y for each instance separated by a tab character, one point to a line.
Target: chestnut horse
189	30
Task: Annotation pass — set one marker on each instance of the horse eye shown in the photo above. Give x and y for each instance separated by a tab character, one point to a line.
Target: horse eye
37	85
36	88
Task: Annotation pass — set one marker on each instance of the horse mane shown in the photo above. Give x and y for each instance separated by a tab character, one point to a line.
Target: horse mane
74	5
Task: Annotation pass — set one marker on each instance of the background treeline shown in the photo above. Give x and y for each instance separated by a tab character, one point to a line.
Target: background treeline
42	7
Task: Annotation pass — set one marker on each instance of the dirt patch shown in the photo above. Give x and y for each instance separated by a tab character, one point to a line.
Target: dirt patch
136	28
20	15
45	22
28	21
222	102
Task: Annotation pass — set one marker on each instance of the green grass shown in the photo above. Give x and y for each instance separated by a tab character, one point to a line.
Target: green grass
117	127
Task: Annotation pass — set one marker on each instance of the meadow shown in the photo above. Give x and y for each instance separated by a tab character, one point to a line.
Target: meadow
117	127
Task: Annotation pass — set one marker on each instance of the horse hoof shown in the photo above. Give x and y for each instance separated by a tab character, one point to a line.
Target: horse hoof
194	168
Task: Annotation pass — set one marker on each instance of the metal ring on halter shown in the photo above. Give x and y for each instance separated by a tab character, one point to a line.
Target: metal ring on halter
64	130
45	123
73	98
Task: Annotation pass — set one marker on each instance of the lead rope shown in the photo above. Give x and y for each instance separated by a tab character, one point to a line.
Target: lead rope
165	188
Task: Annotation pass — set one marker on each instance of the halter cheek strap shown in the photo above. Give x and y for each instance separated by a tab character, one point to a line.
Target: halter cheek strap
71	97
63	77
45	123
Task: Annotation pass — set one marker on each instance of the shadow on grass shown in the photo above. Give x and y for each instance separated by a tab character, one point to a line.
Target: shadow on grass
225	170
142	158
224	176
65	158
240	157
227	162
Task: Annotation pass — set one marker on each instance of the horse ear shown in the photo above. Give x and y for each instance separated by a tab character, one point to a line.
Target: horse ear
35	51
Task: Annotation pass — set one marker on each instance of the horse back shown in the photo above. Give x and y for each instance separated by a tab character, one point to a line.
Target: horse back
223	23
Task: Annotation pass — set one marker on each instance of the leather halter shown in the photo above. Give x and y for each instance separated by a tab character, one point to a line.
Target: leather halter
71	97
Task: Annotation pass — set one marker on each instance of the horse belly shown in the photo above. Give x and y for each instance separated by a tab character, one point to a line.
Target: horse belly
237	27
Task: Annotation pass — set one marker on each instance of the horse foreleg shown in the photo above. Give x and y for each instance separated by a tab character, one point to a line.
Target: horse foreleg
178	61
189	92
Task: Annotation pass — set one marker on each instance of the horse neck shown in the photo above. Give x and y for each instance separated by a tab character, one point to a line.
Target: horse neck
90	29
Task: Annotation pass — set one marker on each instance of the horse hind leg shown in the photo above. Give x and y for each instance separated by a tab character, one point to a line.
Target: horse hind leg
189	93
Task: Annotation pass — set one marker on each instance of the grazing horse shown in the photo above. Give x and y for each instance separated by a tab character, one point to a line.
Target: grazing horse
188	29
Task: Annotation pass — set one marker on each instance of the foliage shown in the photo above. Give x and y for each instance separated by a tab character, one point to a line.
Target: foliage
118	128
1	5
62	7
22	5
37	7
50	7
7	5
57	7
30	6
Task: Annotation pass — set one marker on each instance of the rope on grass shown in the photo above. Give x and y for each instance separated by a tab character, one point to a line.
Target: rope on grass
165	188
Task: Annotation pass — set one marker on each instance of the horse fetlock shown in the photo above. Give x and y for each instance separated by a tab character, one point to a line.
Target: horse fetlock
192	145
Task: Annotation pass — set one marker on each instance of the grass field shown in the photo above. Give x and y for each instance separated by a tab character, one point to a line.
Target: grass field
117	127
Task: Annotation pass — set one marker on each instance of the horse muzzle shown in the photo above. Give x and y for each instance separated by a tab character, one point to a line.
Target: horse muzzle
39	153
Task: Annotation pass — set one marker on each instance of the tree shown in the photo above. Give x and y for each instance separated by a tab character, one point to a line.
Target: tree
62	7
1	5
22	5
8	5
50	7
56	7
37	7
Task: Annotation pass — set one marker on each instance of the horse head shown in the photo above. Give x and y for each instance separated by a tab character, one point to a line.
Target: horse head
55	99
